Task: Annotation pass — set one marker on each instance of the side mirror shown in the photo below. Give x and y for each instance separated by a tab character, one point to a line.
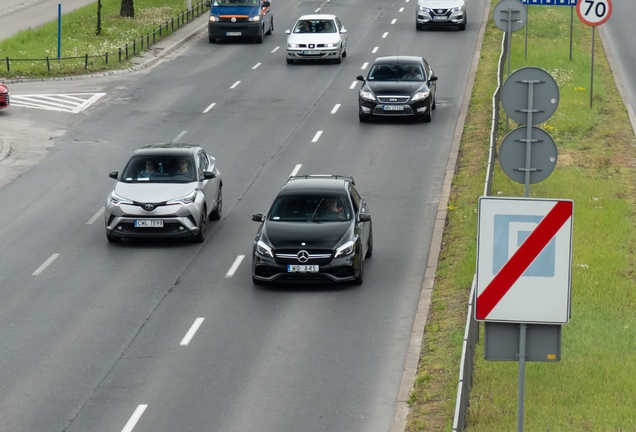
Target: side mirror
433	78
113	174
266	4
209	175
343	31
365	217
258	217
207	3
360	78
287	31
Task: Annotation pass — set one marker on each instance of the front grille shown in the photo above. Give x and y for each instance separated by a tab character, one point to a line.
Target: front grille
440	12
229	19
127	227
405	112
315	256
393	99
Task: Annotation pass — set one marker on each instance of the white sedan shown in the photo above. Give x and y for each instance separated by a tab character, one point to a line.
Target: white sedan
317	37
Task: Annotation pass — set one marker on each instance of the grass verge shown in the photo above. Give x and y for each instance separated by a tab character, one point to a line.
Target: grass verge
593	387
78	38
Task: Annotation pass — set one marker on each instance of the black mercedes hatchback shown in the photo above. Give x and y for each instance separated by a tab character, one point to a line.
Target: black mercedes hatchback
318	229
398	86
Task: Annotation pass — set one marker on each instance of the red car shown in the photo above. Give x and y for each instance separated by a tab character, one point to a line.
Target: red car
4	96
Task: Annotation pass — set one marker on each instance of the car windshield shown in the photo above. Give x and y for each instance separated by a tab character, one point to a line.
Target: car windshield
160	169
396	72
315	26
310	208
234	3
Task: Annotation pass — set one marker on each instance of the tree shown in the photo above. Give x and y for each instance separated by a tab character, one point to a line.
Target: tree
127	9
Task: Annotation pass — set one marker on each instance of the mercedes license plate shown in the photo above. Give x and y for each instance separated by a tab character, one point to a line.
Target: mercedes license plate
149	223
233	34
298	268
393	108
310	52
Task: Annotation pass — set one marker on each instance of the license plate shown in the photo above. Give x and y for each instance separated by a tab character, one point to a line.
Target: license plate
440	18
393	108
311	52
302	268
149	223
233	34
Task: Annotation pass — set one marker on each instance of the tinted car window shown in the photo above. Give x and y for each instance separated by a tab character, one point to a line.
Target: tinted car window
310	208
157	169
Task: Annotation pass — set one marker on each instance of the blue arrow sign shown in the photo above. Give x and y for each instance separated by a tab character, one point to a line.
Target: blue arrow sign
549	2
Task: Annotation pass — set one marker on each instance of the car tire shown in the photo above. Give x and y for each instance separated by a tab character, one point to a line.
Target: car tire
260	38
200	237
211	39
462	26
217	212
426	118
344	53
339	59
418	26
290	61
113	239
369	253
360	278
258	282
434	102
271	27
363	118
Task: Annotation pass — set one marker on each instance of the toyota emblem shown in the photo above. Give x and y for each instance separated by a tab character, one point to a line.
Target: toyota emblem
233	19
303	256
148	207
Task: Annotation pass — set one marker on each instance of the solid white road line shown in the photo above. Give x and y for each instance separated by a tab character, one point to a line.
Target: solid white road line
335	109
94	218
209	107
132	422
393	21
316	137
275	49
237	263
190	334
353	85
256	65
180	136
375	50
235	84
364	65
385	35
45	265
296	169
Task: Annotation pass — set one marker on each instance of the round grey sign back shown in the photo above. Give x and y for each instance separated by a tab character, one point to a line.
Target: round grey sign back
545	98
512	155
510	10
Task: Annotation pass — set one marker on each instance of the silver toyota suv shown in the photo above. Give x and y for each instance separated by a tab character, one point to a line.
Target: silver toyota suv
440	13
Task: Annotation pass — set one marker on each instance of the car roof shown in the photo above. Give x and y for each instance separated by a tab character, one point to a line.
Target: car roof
172	148
399	59
317	17
316	183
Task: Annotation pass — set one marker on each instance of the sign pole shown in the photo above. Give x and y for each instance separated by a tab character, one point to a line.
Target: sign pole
592	71
529	137
59	30
522	376
571	29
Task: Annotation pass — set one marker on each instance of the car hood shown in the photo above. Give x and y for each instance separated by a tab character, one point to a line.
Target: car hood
291	235
396	88
153	192
440	4
235	10
313	38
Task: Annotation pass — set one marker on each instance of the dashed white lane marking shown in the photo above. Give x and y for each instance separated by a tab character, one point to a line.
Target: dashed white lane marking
375	50
235	84
46	264
353	85
296	169
209	107
393	21
335	109
401	9
364	65
180	136
276	49
385	35
316	137
132	422
235	266
317	10
256	65
95	216
190	334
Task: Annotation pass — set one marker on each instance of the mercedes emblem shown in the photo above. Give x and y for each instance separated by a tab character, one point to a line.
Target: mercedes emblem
303	256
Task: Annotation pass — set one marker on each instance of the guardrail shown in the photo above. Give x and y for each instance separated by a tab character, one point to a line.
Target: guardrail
471	332
130	49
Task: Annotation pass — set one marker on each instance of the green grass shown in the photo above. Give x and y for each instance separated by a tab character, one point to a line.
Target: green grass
593	387
78	38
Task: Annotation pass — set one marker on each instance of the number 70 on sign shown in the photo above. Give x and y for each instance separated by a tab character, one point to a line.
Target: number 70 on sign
594	12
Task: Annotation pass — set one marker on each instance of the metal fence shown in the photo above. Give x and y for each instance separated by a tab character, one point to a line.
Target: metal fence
130	49
471	332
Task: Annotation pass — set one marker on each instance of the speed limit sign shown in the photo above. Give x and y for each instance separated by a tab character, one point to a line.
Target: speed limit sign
594	12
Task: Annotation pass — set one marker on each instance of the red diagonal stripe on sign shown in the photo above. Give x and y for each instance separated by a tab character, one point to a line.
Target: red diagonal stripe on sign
522	258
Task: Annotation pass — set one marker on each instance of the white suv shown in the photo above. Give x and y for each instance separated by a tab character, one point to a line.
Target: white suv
441	13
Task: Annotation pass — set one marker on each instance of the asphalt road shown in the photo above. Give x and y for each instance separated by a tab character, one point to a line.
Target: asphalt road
94	335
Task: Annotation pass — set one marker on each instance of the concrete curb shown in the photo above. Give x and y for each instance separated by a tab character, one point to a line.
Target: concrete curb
417	334
5	148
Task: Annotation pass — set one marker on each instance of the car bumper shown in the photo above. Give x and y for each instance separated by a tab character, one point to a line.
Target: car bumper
455	18
374	108
313	54
230	30
4	100
341	269
178	221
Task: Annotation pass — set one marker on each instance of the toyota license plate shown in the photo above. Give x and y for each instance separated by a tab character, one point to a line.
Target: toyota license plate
233	34
148	223
393	108
298	268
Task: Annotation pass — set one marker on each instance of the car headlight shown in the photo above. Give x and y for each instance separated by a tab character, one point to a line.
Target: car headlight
214	18
345	249
457	9
185	200
331	45
256	18
420	95
292	45
367	95
117	200
263	249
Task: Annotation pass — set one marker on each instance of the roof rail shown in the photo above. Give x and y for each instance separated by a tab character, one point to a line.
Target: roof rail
333	176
